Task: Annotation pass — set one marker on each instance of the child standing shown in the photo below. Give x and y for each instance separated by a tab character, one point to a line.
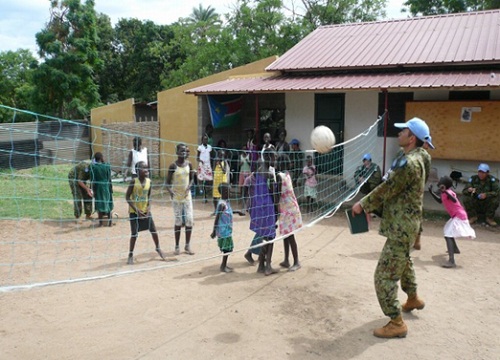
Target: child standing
249	186
267	144
221	175
458	225
205	176
138	153
179	181
137	196
310	184
245	169
100	176
262	210
223	226
290	218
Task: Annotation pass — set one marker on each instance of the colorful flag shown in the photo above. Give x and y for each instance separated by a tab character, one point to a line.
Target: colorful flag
225	110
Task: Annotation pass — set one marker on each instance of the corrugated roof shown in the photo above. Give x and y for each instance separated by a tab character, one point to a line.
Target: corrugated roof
430	80
465	38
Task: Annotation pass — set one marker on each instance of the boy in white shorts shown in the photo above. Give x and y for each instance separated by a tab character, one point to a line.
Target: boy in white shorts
180	178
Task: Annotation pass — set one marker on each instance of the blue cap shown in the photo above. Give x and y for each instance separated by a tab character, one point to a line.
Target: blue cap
483	168
367	156
429	142
294	142
419	128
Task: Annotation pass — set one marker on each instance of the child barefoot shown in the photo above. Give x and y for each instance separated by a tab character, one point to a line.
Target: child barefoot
458	225
137	196
223	226
290	218
262	211
179	181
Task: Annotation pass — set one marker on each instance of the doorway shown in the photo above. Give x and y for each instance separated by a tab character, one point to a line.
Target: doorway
329	111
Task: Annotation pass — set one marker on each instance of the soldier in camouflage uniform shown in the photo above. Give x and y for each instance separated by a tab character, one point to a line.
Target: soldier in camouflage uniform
368	170
82	193
482	195
401	197
427	162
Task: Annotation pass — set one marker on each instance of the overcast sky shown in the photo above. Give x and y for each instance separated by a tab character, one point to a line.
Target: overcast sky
20	20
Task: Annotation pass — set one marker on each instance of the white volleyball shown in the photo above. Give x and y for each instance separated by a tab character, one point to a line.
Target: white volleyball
322	139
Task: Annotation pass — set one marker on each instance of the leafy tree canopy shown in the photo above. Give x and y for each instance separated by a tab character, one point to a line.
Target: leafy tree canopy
64	81
16	81
436	7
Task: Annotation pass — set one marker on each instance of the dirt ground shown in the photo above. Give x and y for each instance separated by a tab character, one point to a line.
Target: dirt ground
326	310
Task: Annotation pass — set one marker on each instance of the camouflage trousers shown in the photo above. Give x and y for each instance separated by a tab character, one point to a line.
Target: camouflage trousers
474	206
81	200
394	264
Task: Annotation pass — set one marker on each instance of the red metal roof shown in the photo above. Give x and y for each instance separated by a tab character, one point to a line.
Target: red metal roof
465	38
429	80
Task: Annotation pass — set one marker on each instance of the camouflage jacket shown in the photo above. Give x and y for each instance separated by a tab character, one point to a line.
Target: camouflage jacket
488	186
375	176
81	171
400	197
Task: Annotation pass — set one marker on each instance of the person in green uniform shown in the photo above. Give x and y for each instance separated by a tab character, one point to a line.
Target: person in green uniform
401	197
100	176
369	173
482	195
78	178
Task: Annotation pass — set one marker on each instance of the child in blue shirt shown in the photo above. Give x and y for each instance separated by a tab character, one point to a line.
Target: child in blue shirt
223	226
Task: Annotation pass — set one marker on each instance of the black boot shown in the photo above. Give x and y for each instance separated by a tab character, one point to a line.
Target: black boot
450	244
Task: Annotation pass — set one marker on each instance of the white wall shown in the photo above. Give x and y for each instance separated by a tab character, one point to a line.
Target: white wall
361	112
300	117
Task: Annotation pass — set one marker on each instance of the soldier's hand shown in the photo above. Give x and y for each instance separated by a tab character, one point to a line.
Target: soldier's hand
357	209
481	196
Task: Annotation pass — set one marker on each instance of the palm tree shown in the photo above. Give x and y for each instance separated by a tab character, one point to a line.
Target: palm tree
207	16
202	19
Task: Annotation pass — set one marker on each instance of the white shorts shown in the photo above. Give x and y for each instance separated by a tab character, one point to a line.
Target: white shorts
183	213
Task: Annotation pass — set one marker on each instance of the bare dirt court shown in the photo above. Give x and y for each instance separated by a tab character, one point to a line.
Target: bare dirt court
326	310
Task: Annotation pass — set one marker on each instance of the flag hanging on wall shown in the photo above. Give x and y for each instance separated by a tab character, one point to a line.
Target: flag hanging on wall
225	110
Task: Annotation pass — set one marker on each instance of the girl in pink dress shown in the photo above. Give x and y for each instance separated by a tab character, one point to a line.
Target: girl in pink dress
310	184
290	218
458	225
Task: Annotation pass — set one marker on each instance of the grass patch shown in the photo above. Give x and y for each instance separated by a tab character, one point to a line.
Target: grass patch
38	193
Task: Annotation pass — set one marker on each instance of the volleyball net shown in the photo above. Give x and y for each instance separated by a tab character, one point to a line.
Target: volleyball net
43	244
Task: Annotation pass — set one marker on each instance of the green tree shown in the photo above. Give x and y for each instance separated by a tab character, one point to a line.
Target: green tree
16	81
329	12
140	50
203	19
260	29
253	30
435	7
64	81
108	75
204	15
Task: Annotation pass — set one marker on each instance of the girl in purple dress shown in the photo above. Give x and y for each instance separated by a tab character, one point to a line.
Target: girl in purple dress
262	210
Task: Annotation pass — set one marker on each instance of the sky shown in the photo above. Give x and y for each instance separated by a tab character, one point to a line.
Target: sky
20	20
